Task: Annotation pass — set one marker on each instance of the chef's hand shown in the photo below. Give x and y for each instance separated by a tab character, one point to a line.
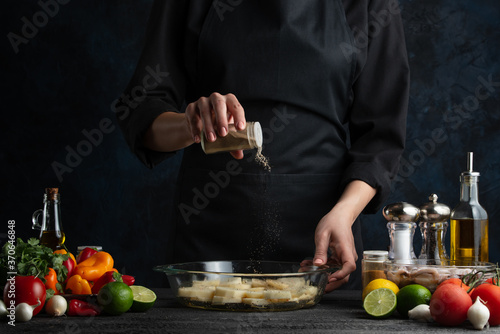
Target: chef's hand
212	114
334	232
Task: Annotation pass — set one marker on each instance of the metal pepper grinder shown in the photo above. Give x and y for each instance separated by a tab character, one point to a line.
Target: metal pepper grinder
401	224
433	226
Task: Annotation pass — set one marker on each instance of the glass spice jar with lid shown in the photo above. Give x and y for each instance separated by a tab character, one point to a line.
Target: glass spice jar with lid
372	265
246	139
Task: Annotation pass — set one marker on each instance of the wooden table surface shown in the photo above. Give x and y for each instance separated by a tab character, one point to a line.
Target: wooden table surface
339	311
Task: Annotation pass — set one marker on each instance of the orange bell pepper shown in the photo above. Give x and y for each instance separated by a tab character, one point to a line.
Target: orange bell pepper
51	281
78	286
95	266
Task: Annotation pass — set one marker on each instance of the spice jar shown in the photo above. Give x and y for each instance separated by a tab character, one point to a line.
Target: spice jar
433	227
372	265
246	139
401	224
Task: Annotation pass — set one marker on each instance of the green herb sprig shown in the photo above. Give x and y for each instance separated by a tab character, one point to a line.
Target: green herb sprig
33	259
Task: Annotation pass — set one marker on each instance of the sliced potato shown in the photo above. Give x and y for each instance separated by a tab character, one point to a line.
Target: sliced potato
277	296
204	294
256	302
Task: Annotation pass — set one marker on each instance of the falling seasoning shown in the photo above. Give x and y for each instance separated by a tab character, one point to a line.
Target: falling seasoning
262	160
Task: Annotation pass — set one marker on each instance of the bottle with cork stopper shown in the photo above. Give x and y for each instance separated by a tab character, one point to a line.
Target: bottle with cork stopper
469	220
51	231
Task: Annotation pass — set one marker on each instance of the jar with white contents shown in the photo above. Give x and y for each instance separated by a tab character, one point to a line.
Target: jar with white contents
401	225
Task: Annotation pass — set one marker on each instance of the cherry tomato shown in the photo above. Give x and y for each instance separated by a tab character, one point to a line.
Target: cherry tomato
449	305
25	289
490	294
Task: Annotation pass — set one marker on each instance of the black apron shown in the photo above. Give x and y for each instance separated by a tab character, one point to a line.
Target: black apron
283	61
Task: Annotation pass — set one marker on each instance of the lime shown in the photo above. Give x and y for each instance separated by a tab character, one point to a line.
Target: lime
144	298
411	296
115	298
380	303
379	283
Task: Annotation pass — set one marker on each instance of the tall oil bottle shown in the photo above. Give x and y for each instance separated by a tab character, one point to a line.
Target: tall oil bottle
469	220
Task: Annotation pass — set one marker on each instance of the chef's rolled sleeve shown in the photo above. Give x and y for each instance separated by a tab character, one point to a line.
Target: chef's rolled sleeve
380	95
159	81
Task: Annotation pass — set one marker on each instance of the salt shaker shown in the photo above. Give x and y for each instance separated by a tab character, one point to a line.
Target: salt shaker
401	224
433	226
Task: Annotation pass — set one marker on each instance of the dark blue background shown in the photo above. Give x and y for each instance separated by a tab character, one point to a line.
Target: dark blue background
63	81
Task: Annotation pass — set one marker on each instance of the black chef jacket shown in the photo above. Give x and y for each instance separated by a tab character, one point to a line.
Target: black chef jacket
328	81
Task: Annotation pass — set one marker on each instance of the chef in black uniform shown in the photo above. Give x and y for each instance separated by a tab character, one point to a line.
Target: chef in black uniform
327	80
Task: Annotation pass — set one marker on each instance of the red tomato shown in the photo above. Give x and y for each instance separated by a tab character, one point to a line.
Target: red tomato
458	282
25	289
492	280
490	294
449	305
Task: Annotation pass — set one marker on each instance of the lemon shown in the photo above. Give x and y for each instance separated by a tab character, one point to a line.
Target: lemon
380	303
115	298
144	298
411	296
379	283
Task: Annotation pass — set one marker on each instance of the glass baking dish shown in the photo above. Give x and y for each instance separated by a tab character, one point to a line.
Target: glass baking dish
247	285
430	273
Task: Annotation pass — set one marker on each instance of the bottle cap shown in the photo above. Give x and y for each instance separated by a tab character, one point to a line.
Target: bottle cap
380	255
401	212
434	212
255	136
97	248
470	169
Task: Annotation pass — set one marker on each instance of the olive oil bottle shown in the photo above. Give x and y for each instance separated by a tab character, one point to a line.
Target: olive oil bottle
51	231
469	220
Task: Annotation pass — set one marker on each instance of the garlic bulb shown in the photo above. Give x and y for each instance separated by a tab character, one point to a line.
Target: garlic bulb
478	314
420	312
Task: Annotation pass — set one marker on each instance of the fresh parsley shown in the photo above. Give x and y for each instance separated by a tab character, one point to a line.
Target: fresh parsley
33	259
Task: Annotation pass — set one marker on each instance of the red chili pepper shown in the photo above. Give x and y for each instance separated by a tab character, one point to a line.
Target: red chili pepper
129	280
85	254
81	308
112	276
70	264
